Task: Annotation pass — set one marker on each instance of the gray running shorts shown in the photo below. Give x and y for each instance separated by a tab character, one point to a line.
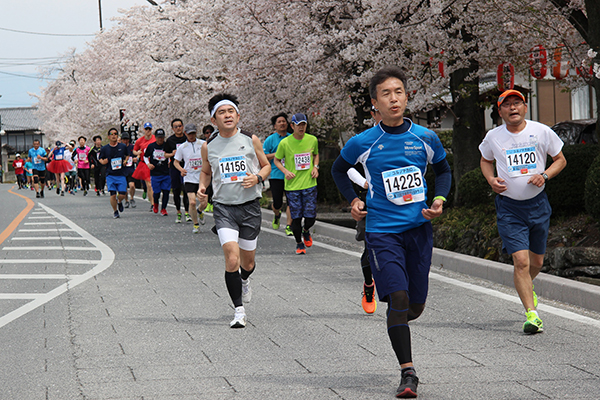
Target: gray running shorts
245	218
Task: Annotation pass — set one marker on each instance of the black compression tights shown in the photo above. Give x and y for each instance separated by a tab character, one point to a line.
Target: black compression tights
399	312
165	198
297	227
177	199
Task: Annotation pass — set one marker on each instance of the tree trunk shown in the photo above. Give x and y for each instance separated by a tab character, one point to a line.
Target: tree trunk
593	40
469	127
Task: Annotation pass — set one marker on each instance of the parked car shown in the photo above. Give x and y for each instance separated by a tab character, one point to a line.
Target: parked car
578	131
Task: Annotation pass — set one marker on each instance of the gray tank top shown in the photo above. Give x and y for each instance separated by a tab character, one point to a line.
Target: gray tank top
230	159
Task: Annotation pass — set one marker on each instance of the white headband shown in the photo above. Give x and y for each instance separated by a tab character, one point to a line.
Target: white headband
222	103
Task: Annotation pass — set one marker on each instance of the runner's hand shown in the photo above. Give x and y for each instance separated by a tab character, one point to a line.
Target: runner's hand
249	180
150	167
203	197
289	175
183	172
498	186
435	211
314	173
357	210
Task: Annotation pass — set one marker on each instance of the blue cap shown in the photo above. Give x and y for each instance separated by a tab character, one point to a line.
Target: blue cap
147	125
299	118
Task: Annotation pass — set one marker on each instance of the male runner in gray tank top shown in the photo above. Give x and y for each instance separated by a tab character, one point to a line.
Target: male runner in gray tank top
237	164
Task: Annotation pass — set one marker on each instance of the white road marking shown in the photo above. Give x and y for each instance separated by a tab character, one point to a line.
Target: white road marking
42	223
37	300
35	276
51	248
47	238
20	296
48	261
489	292
45	217
47	230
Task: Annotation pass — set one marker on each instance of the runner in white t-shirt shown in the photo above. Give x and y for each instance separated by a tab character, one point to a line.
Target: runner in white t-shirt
190	154
519	149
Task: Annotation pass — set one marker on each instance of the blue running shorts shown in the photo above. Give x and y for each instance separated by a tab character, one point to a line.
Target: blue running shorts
523	224
302	203
401	261
116	183
160	182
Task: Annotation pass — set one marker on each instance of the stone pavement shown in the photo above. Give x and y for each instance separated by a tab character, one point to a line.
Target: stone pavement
155	325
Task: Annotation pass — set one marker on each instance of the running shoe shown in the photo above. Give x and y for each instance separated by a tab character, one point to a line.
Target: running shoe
37	195
132	202
97	193
246	291
72	193
144	195
369	304
535	299
155	208
126	204
188	217
239	318
307	238
163	212
85	193
178	219
288	231
57	190
209	208
533	324
120	205
201	218
300	249
408	385
196	229
103	193
42	194
62	193
116	215
276	222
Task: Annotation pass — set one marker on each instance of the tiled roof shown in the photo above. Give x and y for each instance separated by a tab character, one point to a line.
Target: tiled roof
19	119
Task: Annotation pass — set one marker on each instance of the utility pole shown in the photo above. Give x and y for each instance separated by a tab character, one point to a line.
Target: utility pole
100	13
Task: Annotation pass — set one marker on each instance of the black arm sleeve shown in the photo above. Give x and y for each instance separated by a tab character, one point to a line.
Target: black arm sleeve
443	178
73	155
339	171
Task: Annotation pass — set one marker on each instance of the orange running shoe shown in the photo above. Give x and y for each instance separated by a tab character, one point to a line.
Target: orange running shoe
307	238
369	304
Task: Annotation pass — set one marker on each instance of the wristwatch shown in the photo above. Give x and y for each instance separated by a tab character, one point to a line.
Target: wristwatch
260	178
316	166
545	176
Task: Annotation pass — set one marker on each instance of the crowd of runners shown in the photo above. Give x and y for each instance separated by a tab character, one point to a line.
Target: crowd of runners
225	172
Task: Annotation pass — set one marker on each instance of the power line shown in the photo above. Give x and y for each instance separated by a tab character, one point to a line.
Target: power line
48	34
27	76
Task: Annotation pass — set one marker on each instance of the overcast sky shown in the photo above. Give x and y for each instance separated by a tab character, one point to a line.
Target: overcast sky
22	53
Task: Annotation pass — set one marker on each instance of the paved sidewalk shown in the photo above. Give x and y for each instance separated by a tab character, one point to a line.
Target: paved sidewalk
155	325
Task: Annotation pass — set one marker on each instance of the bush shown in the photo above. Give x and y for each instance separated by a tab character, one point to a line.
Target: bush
592	189
566	191
327	191
474	190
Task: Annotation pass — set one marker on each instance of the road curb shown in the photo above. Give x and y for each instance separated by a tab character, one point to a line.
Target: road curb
548	286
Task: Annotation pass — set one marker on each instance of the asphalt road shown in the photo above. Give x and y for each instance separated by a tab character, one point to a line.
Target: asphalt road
137	308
